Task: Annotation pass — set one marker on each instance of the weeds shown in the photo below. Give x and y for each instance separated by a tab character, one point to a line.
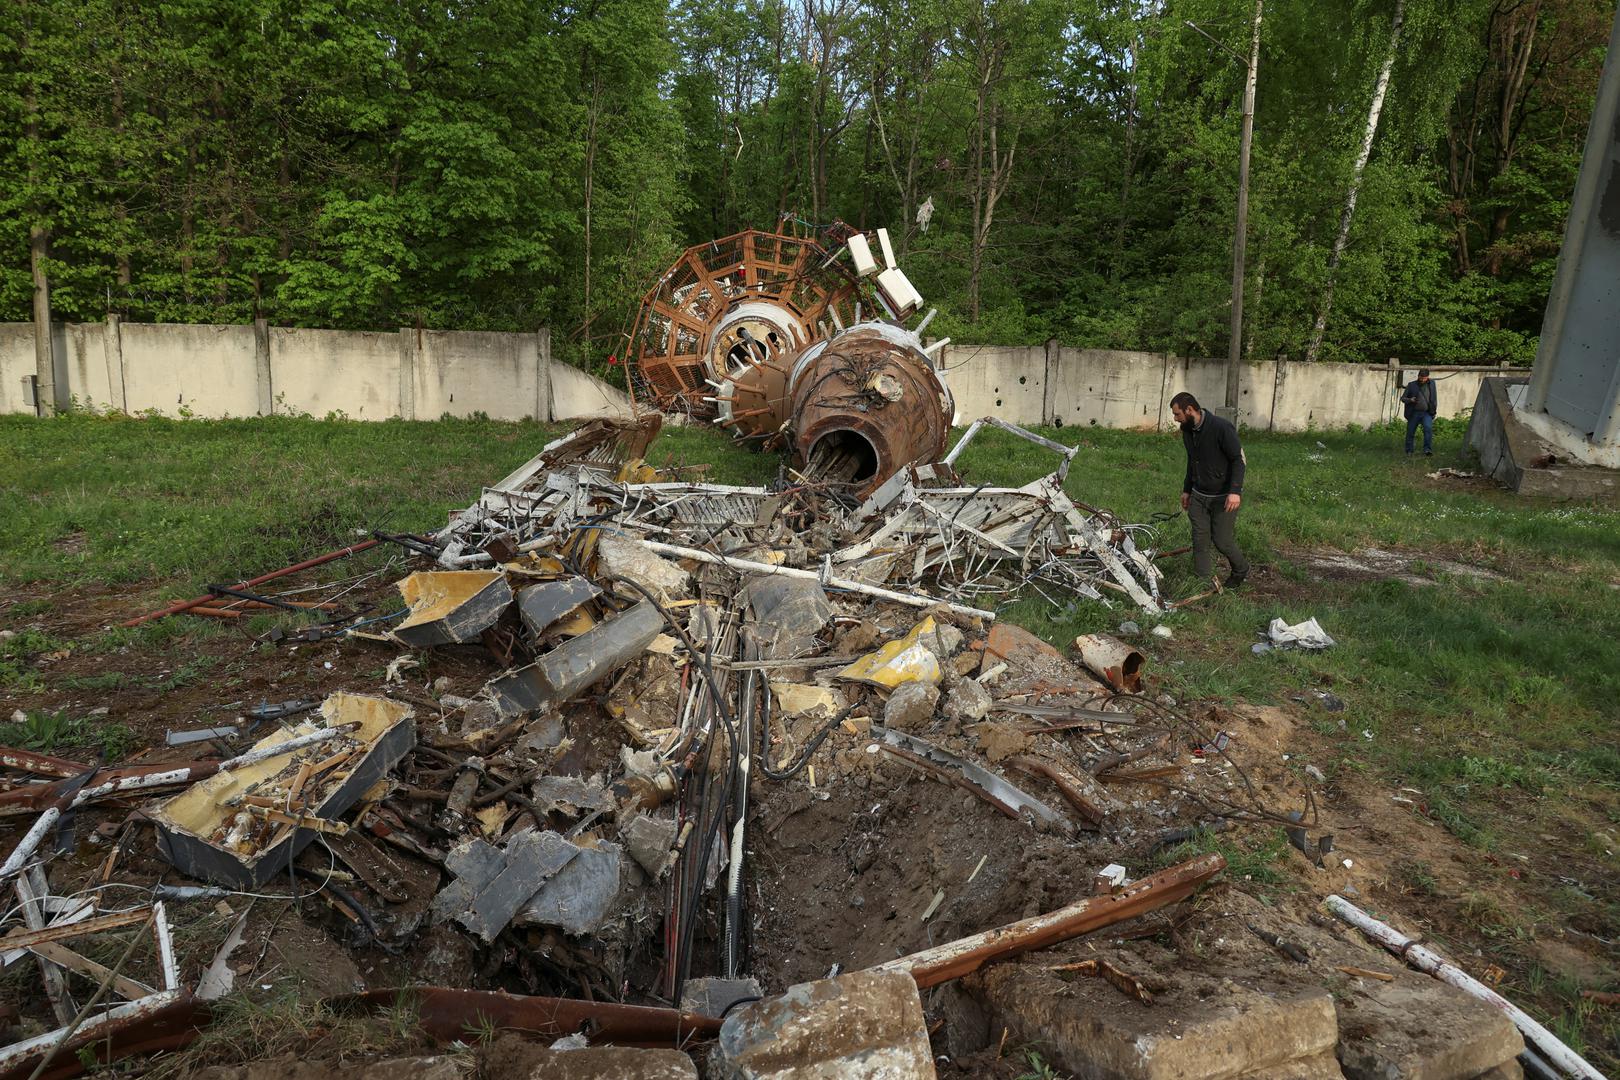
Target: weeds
56	732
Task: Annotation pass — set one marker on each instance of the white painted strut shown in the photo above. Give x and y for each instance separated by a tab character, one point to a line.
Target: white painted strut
752	567
1431	962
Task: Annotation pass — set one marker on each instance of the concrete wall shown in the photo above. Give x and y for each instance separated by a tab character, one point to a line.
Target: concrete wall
1064	387
261	370
258	370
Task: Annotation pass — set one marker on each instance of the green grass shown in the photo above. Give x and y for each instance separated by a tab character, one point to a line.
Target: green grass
1495	698
61	734
118	500
1478	691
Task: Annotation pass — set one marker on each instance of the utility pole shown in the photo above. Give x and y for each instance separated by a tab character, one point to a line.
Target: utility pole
1240	238
1234	348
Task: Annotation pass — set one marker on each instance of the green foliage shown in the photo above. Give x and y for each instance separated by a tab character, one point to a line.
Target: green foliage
58	732
506	165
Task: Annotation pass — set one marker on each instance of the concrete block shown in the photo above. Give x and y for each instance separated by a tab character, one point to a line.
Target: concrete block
864	1024
1420	1029
1088	1028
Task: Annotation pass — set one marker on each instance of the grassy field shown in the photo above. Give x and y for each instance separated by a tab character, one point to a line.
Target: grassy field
1492	684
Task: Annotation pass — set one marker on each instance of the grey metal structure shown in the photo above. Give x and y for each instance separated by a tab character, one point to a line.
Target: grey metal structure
1576	379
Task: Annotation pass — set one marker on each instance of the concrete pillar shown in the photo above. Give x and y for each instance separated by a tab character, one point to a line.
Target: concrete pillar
545	404
1054	356
112	345
410	343
261	367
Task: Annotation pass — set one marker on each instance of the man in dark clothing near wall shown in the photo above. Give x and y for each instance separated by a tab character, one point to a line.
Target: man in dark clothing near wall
1421	403
1213	489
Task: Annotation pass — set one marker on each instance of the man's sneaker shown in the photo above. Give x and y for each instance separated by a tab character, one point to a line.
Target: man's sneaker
1234	582
1428	453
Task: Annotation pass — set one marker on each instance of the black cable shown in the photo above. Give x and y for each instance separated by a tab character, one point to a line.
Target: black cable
810	747
706	836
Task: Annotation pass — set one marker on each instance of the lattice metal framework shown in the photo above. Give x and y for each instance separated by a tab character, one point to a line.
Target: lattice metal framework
671	344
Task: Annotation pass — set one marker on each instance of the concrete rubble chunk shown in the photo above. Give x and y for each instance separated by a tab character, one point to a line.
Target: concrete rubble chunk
1417	1028
1088	1028
863	1024
968	701
630	558
911	707
944	642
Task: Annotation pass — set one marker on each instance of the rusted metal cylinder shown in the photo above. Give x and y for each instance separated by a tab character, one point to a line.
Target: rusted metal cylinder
1111	660
865	404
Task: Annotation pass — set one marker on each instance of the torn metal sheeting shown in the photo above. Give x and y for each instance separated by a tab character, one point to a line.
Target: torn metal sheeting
902	660
579	662
451	607
542	606
538	878
206	832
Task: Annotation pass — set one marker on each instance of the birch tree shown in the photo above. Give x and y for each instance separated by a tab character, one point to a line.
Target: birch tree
1374	109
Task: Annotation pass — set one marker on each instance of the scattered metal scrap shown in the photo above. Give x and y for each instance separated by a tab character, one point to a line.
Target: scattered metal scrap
723	638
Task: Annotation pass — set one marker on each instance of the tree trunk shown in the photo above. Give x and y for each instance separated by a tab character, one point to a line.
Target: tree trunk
590	185
1129	164
1362	155
39	239
44	355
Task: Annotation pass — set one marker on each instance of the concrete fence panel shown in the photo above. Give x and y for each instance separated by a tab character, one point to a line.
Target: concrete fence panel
205	370
352	372
201	370
579	393
1111	388
463	372
81	366
990	380
16	367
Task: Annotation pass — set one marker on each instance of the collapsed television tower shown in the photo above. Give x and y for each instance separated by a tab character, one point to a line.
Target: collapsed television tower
793	345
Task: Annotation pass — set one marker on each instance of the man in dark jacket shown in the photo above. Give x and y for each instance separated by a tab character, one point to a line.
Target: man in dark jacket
1421	404
1213	488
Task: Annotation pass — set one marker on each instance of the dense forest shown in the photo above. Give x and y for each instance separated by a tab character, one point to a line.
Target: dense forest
1048	169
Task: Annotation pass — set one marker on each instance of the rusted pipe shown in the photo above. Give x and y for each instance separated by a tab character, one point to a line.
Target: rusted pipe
1068	784
967	955
447	1014
40	764
1112	661
330	556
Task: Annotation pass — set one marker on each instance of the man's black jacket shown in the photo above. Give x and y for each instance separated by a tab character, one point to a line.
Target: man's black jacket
1419	397
1214	457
